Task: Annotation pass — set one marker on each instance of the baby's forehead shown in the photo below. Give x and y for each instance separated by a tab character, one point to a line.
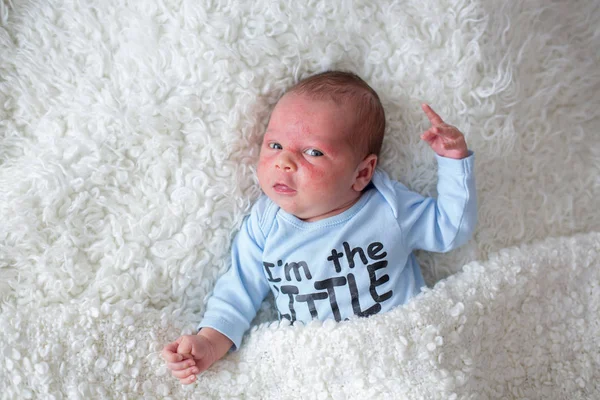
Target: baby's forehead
343	109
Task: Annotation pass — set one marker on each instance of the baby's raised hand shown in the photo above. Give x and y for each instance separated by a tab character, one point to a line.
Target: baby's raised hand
446	140
192	354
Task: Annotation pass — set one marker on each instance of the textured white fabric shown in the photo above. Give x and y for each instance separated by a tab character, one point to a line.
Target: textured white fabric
128	136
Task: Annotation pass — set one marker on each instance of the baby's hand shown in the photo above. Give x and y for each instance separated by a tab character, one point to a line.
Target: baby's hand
446	140
192	354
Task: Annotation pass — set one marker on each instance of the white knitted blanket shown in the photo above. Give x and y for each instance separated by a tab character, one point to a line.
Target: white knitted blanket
129	131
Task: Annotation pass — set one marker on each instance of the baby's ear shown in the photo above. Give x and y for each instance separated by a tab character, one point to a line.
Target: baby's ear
364	172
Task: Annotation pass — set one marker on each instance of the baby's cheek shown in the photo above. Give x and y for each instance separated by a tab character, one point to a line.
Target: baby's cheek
312	173
261	168
318	180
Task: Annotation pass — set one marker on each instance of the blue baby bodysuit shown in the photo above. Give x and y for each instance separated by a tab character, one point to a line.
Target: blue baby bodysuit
359	262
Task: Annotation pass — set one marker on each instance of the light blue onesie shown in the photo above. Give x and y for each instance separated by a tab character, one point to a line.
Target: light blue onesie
359	262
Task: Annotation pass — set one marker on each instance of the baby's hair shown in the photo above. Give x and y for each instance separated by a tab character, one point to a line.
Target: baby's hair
348	88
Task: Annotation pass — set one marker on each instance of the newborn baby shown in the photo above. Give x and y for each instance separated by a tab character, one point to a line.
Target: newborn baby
332	236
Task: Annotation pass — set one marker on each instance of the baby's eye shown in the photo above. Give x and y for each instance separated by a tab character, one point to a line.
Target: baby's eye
275	146
313	152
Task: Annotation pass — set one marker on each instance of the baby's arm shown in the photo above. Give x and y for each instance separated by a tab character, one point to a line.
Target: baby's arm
239	292
192	354
236	297
448	221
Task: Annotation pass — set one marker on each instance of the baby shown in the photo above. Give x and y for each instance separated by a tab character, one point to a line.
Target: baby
333	236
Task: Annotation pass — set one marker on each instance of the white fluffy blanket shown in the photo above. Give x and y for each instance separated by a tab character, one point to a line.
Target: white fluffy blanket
128	136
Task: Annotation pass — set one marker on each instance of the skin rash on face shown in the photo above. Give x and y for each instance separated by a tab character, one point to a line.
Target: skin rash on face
308	165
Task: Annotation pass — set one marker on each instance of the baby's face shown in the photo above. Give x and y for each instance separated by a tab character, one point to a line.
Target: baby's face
307	165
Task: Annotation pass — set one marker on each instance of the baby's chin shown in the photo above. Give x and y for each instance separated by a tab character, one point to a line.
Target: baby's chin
287	207
308	214
292	208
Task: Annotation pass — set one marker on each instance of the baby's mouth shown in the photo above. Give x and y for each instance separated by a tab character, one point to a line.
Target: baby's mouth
283	189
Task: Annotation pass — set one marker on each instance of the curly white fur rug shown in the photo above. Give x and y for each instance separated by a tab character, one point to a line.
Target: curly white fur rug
128	136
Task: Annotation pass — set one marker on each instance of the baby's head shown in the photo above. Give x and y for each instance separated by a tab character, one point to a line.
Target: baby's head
358	101
321	145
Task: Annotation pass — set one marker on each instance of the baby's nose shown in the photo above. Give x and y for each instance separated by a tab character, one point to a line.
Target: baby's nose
286	163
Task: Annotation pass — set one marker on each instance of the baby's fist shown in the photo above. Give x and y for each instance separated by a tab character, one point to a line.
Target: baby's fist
192	354
446	140
188	356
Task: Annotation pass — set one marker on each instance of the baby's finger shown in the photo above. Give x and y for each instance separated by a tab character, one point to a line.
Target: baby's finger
433	117
185	346
184	374
169	353
178	366
190	379
428	136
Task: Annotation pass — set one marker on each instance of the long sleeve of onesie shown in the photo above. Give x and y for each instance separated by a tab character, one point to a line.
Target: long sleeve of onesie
437	224
240	291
